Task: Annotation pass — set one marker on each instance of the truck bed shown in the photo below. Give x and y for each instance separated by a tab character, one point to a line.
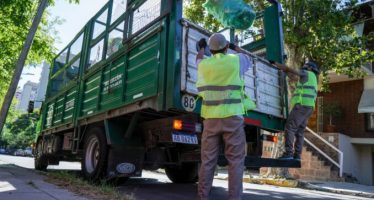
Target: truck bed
263	83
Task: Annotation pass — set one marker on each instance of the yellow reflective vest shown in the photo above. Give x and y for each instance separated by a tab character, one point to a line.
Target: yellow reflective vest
306	93
221	87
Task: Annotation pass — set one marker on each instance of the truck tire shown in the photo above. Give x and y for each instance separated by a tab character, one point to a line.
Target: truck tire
40	159
186	173
95	153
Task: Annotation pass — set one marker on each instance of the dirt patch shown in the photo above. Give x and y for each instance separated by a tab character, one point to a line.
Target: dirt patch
76	184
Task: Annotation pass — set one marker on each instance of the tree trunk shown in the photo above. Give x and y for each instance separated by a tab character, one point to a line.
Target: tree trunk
21	62
295	61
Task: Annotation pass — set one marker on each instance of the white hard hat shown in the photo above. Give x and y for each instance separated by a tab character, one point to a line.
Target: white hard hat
217	42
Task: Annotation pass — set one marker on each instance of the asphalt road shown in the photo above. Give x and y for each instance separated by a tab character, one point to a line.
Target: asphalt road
156	186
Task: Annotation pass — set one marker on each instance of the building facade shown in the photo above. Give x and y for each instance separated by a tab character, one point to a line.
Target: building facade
42	86
28	93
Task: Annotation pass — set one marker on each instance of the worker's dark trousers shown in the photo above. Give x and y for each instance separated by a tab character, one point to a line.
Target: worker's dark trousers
295	127
231	130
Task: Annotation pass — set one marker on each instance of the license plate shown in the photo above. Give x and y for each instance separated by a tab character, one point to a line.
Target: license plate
184	138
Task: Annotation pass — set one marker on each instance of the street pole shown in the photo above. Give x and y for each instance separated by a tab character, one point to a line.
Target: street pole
21	62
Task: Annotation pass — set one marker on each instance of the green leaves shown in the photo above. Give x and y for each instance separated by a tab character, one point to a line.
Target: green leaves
322	30
196	13
20	132
15	20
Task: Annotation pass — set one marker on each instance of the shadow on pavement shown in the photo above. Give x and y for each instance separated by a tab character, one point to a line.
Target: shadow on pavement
153	189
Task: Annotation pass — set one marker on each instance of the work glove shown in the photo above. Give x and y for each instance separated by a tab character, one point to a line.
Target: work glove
232	46
271	62
202	43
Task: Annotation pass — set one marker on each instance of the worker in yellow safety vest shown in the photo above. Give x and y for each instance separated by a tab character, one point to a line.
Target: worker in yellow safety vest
221	86
303	103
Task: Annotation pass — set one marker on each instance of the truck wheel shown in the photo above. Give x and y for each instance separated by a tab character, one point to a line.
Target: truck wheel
95	154
186	173
40	159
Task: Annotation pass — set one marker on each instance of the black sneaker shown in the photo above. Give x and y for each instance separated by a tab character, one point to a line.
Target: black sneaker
285	157
297	157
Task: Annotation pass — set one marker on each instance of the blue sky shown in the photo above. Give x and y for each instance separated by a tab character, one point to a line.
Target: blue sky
75	16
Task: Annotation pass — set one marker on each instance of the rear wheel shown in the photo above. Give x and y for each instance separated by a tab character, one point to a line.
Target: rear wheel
95	154
40	159
185	173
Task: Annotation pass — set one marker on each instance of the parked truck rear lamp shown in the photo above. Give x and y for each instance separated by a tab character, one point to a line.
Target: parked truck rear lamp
186	126
275	139
177	125
270	138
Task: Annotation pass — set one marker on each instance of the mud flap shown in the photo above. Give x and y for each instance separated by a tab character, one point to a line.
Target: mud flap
125	162
126	149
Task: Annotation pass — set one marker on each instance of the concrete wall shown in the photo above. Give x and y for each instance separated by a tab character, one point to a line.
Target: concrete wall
351	162
369	83
366	164
358	160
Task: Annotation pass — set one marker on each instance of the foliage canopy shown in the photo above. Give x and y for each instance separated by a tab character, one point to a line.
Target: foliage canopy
21	131
15	20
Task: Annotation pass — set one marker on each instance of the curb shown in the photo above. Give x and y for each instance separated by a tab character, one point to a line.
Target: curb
268	181
276	182
306	185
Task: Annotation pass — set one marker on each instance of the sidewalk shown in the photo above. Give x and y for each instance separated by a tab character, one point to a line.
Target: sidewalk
332	187
341	188
18	183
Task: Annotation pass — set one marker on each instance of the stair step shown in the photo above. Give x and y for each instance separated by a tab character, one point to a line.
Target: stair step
315	167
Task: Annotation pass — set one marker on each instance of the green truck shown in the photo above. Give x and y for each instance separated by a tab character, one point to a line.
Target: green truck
121	96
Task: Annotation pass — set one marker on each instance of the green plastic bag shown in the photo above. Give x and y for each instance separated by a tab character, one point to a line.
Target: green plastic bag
231	13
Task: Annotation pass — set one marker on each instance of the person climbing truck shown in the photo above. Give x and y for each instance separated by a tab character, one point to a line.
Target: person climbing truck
303	103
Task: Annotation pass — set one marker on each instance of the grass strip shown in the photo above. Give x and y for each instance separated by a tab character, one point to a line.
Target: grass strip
76	184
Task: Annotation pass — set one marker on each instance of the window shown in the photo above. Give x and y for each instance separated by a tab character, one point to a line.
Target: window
115	39
76	47
145	14
370	121
57	84
119	8
96	53
71	72
100	24
60	61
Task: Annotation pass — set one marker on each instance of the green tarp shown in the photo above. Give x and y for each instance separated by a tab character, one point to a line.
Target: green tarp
231	13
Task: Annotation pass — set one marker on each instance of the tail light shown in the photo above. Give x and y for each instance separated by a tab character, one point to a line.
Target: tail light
270	138
180	125
177	125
